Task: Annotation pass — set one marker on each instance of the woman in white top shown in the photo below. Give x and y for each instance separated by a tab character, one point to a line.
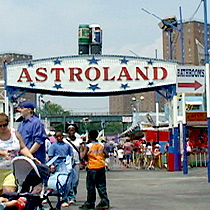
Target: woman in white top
11	144
149	156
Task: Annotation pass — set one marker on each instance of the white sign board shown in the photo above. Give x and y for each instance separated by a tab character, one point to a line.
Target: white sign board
90	74
127	119
190	79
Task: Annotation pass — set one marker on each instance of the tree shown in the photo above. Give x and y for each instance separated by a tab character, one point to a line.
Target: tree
50	109
113	128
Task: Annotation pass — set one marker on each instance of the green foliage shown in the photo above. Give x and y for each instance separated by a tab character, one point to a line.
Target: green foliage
89	126
110	127
113	128
50	109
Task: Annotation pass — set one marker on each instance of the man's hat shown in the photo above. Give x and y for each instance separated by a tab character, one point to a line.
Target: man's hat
27	104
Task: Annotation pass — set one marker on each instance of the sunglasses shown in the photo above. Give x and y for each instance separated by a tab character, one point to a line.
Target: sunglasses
4	125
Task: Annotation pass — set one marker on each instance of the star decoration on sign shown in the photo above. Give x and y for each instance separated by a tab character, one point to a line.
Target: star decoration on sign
57	86
151	83
124	86
30	64
124	61
57	61
149	62
32	84
93	60
94	87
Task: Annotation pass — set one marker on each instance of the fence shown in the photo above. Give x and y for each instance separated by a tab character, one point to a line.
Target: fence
198	159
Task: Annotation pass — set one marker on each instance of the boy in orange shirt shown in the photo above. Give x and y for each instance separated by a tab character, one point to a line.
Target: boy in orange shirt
95	153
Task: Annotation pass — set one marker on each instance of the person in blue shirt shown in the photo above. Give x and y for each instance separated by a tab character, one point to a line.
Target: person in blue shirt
32	130
62	151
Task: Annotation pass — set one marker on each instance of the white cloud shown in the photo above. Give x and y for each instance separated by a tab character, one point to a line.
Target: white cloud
137	49
150	50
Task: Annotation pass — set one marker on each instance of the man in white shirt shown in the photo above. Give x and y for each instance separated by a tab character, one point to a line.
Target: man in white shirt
74	141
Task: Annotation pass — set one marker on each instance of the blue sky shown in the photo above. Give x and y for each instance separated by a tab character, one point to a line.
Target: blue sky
48	28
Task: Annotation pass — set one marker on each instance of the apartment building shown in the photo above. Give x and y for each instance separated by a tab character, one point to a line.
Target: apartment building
193	35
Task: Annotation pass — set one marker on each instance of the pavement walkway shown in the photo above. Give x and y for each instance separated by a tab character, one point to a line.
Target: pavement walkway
153	190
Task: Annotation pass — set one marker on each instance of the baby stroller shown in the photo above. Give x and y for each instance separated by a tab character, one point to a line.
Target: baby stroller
31	180
62	181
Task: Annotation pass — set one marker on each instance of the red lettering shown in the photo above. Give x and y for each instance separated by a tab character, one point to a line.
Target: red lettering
139	72
74	74
57	73
165	73
97	73
42	73
124	73
106	75
25	74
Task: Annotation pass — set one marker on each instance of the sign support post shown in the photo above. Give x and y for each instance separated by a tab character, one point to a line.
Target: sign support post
176	134
184	124
207	81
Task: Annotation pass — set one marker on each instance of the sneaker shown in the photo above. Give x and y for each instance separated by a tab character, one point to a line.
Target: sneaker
72	202
86	206
102	206
65	204
44	201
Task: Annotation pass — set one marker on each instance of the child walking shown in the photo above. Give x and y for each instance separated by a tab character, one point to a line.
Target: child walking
96	178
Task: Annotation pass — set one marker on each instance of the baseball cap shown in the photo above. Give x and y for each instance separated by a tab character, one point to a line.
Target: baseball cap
27	104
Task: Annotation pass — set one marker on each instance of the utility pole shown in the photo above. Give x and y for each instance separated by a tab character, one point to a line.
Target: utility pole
207	81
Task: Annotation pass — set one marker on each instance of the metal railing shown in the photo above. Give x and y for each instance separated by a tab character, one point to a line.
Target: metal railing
198	159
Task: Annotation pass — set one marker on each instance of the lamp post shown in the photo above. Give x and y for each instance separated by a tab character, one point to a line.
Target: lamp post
85	121
137	107
138	102
39	101
168	24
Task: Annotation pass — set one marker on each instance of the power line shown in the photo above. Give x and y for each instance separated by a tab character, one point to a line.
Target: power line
196	11
151	13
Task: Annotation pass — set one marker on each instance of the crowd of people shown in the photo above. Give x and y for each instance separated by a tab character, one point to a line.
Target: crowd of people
137	153
70	152
66	152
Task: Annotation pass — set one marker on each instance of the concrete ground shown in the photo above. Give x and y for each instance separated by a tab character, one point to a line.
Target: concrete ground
153	190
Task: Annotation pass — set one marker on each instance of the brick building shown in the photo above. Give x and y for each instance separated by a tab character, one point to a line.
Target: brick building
193	32
11	57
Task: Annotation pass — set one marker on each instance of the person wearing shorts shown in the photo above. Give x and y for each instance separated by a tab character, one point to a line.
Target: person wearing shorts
11	144
128	152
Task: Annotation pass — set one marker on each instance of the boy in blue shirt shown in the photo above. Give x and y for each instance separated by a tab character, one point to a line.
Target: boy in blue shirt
60	149
63	151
